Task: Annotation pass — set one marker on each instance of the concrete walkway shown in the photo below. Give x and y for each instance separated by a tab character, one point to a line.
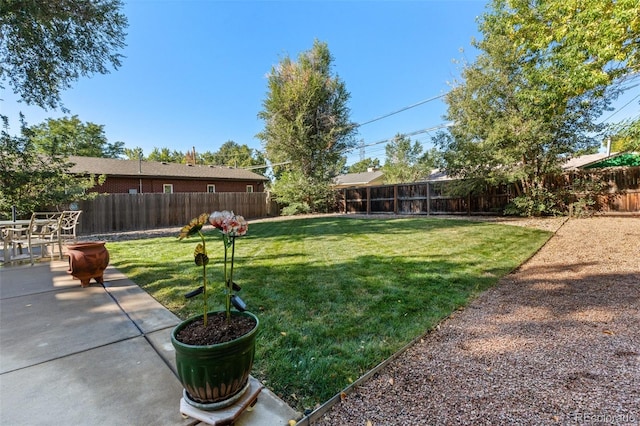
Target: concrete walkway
99	355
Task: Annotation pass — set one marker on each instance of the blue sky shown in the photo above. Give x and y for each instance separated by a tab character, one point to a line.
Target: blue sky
195	72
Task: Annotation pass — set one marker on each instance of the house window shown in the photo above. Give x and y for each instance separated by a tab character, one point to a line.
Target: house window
167	188
249	188
133	191
211	188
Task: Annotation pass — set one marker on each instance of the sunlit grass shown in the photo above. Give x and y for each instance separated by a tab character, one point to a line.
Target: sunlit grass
335	296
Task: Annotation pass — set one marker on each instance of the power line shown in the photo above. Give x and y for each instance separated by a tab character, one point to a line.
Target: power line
401	110
264	166
362	146
417	132
623	106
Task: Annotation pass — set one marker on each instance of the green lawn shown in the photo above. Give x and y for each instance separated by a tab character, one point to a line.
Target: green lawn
338	295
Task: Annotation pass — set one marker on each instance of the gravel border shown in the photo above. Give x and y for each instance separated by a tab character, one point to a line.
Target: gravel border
555	342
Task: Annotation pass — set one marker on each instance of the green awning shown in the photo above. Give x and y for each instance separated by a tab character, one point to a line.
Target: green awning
630	160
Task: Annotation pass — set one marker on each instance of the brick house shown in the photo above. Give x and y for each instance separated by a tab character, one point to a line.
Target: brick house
134	176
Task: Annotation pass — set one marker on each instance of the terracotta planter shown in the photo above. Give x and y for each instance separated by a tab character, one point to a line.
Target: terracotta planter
215	376
88	260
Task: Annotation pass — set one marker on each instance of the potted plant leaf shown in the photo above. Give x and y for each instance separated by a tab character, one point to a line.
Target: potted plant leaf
215	350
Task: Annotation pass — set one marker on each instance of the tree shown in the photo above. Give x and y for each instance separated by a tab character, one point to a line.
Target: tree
364	165
166	155
47	45
307	124
626	136
301	194
406	162
593	42
133	153
235	155
34	181
69	136
520	111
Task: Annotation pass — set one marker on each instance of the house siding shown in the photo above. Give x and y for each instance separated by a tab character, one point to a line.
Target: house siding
122	185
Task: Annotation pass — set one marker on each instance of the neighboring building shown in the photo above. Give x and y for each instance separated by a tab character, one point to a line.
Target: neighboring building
134	176
589	161
583	161
438	175
602	160
623	159
350	180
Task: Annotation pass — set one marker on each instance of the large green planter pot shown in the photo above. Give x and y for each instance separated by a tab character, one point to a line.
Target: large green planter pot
215	376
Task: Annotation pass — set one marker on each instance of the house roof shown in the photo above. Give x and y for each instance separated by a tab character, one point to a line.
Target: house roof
437	175
362	178
624	159
128	168
585	160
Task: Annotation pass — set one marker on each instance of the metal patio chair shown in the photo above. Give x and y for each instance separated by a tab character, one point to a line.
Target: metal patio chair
43	231
68	225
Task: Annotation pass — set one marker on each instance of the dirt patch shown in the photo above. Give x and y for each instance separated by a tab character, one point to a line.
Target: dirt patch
556	342
218	330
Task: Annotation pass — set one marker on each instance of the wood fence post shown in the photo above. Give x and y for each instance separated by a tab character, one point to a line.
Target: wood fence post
395	199
368	195
428	199
344	200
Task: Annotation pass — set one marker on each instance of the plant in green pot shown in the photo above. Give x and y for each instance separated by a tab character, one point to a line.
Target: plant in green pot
215	350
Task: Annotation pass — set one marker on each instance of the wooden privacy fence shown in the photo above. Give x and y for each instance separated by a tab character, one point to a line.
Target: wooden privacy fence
127	212
428	198
624	187
432	198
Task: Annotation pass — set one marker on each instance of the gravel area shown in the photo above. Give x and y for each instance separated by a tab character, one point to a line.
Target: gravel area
555	342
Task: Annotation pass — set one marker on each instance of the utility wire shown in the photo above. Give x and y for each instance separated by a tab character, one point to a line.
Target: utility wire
440	126
401	110
433	98
266	165
417	132
622	107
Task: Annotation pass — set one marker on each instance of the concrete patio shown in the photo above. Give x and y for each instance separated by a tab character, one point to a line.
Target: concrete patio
99	355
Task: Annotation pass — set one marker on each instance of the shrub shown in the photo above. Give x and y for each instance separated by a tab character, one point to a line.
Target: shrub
539	202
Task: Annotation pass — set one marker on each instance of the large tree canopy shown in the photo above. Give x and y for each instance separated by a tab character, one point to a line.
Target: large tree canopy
70	136
45	45
533	96
35	181
307	123
592	42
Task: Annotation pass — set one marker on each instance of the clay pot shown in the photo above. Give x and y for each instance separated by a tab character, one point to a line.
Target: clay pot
88	260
